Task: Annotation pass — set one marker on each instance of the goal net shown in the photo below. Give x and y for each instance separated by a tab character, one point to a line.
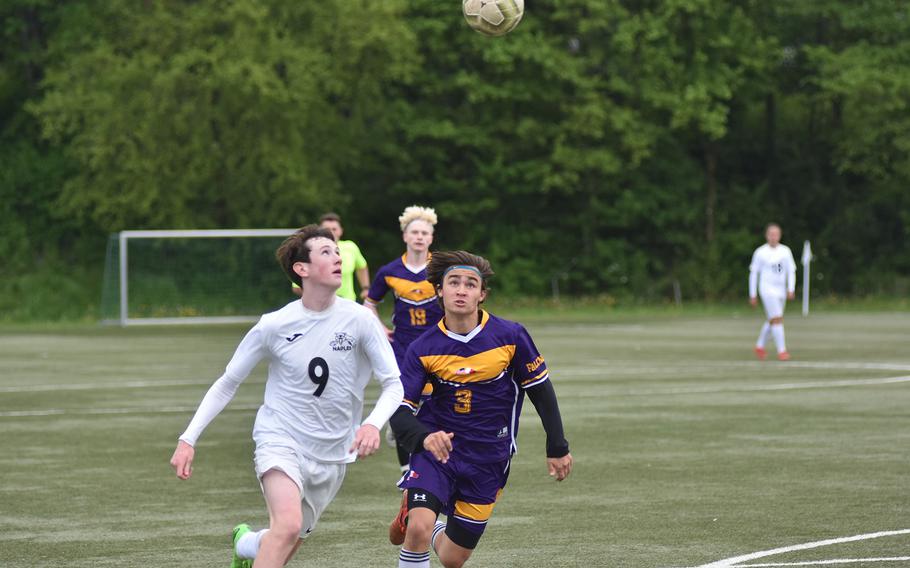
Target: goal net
203	276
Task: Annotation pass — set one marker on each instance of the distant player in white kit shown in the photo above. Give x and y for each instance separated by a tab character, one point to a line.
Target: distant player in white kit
322	350
772	275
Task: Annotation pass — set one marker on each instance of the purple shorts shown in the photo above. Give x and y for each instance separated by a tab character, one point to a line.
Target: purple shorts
467	491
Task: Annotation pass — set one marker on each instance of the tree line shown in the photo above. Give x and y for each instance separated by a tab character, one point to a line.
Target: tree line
619	146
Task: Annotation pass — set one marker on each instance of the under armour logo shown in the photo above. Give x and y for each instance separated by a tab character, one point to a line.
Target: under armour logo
420	497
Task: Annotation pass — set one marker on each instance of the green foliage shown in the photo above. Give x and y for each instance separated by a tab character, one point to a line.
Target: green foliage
607	146
217	113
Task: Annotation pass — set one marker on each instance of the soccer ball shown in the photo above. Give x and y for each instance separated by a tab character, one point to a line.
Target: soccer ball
493	17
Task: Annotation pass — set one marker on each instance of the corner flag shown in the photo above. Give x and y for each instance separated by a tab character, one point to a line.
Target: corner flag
806	260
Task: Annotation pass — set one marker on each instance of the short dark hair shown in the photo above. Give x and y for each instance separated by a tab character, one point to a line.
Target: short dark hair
330	217
441	261
295	249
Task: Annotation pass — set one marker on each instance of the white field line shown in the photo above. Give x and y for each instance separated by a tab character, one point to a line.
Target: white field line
836	365
634	366
826	562
736	561
609	366
764	388
99	386
108	411
641	392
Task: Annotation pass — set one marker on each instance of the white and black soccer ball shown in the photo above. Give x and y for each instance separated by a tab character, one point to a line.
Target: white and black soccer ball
493	17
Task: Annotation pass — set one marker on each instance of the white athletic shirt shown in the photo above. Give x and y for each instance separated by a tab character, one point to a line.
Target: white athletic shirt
319	365
772	272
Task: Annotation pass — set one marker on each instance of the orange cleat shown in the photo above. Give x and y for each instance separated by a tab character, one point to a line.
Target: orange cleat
399	526
783	356
761	353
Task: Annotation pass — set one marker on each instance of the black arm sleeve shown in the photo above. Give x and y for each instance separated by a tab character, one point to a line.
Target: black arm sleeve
409	431
544	399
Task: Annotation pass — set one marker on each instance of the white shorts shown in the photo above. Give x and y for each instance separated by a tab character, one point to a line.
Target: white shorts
318	482
774	305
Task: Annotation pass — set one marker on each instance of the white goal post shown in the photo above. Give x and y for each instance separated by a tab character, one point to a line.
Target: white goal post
166	277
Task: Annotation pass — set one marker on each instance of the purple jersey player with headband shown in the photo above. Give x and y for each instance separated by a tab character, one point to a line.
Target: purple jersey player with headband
462	438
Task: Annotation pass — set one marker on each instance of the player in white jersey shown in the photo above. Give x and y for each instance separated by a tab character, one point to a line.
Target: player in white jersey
322	350
772	275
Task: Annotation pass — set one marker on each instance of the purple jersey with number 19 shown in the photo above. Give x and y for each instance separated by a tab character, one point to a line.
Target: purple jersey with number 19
416	309
478	384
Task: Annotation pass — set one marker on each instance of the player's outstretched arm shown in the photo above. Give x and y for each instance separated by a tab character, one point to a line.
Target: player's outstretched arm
222	391
559	460
182	460
385	370
366	439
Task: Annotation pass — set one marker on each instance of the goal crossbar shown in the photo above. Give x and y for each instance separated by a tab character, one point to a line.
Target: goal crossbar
124	237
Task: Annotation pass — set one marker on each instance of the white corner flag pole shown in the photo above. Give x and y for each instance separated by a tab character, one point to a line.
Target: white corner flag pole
806	260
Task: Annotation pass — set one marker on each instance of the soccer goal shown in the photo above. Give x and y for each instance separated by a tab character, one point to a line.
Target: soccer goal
197	276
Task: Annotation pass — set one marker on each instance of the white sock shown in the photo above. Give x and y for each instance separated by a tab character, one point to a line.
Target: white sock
438	529
763	335
778	331
408	559
248	544
405	468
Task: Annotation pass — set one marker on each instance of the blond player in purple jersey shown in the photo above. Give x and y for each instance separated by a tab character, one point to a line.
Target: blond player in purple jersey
462	439
416	309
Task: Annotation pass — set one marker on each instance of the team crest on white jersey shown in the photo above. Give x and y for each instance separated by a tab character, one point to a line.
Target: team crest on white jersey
342	342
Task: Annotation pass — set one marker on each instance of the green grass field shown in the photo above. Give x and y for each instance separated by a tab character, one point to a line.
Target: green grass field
688	451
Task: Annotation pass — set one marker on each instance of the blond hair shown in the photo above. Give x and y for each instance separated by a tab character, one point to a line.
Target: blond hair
417	213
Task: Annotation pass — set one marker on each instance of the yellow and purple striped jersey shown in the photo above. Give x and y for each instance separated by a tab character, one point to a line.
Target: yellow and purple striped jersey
416	308
478	384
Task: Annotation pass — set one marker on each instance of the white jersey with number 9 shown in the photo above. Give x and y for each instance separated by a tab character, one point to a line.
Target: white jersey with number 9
319	366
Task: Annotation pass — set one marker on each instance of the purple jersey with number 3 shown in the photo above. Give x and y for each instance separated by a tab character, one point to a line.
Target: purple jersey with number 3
478	384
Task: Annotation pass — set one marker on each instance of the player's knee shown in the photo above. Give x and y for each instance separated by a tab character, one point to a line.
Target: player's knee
287	530
455	559
419	531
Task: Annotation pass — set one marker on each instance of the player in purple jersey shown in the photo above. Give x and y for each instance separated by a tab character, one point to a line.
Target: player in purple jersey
462	439
416	308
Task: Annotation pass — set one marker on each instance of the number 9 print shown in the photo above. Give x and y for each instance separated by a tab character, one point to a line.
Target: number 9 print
319	374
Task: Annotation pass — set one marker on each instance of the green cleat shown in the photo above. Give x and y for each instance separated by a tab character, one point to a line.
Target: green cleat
238	562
